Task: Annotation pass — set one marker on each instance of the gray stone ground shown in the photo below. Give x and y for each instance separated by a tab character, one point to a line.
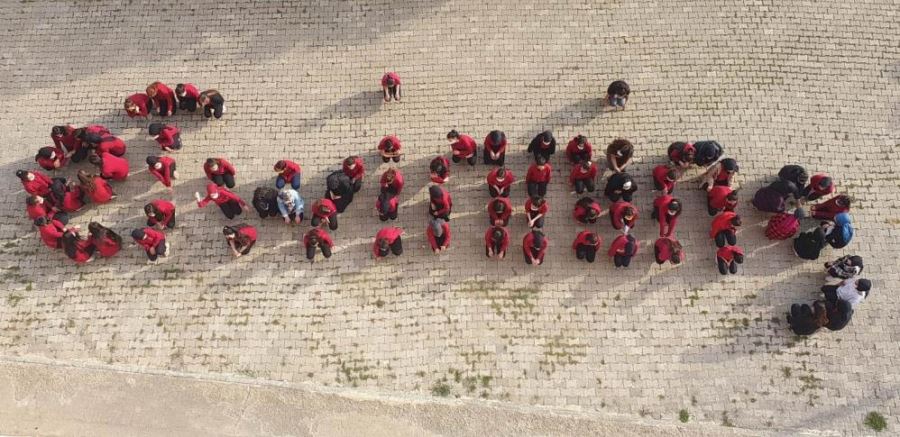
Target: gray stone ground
814	83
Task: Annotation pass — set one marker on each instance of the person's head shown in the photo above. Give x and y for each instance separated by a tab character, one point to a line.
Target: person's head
69	238
864	286
628	213
153	162
350	162
96	160
736	221
546	137
689	152
501	173
34	200
537	202
46	153
155	129
388	145
212	164
538	240
842	200
41	221
91	139
453	135
540	161
150	210
855	261
498	206
286	197
591	238
391	82
324	209
585	166
58	131
496	137
437	227
497	234
733	196
729	165
623	148
212	190
674	207
671	175
229	232
825	183
280	166
96	229
179	89
25	175
580	140
152	89
84	178
138	234
437	166
435	192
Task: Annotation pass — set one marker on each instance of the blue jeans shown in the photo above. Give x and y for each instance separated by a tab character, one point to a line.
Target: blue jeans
617	101
295	182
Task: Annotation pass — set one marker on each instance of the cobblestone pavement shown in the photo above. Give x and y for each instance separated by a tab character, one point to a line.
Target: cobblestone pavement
814	83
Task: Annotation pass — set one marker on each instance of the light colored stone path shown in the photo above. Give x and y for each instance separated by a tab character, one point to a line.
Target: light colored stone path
814	83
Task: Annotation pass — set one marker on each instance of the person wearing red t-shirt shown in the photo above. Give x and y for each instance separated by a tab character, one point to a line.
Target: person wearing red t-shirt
462	147
317	238
387	206
107	242
496	241
35	182
220	171
392	182
681	154
66	136
103	144
666	210
163	98
51	158
354	168
582	177
538	177
153	242
542	145
111	166
230	204
728	257
68	197
95	187
623	216
188	96
438	233
668	249
499	211
440	203
664	178
240	238
390	86
388	241
622	249
138	105
77	248
536	209
168	137
819	185
586	245
288	171
723	228
390	148
721	198
440	170
160	213
499	181
829	209
38	206
50	231
325	213
579	150
163	169
719	174
534	247
587	210
495	148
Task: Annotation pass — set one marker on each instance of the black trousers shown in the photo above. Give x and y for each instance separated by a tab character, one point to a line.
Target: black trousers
332	221
584	184
271	212
342	203
622	260
471	160
160	251
539	223
188	104
726	237
495	193
80	154
830	292
391	215
587	253
164	108
231	209
615	197
211	110
725	268
169	225
293	215
712	211
488	161
396	248
62	216
439	241
537	189
386	159
224	179
246	249
311	251
357	185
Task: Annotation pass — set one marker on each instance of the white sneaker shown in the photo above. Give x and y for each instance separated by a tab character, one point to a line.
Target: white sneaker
166	253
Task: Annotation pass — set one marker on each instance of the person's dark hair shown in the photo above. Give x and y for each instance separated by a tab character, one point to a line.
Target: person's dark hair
501	172
437	166
95	159
498	206
857	261
228	230
674	205
22	174
452	135
45	152
41	221
624	146
675	250
546	136
87	181
729	164
350	160
152	160
591	238
31	200
497	235
58	190
280	165
155	128
58	131
149	209
496	137
581	139
537	201
383	244
99	232
92	139
391	81
390	174
628	211
843	200
70	243
312	237
864	285
825	182
211	162
137	234
540	160
586	165
671	174
388	144
179	89
736	220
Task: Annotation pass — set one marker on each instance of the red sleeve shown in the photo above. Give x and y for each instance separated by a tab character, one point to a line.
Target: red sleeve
233	196
488	237
227	167
593	172
249	232
527	242
325	238
579	239
617	245
398	181
505	243
375	246
431	240
191	91
169	95
447	233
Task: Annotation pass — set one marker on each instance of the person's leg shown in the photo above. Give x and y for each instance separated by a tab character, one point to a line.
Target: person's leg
732	268
617	260
357	185
80	154
590	254
315	221
384	93
579	186
454	158
487	252
731	238
626	261
393	214
207	111
152	256
720	239
226	209
589	184
171	223
310	252
279	182
712	211
397	247
723	267
333	222
218	111
164	107
486	155
472	159
62	217
542	188
218	179
326	250
830	292
527	260
382	217
229	180
580	252
539	223
396	159
532	188
162	249
493	191
505	192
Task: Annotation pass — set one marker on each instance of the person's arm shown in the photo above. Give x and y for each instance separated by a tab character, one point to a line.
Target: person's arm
384	90
201	201
282	208
234	250
613	162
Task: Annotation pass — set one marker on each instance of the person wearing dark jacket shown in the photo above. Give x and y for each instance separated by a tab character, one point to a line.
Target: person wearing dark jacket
354	168
499	180
240	238
617	94
668	249
325	212
582	177
536	209
534	247
440	170
809	244
620	186
495	148
724	227
317	238
213	103
77	248
707	152
462	147
839	314
265	201
499	211
160	213
804	320
387	206
496	241
774	197
622	249
538	176
152	241
231	204
728	257
844	267
579	150
618	155
543	144
339	188
440	203
587	210
794	174
388	241
105	240
853	291
586	245
666	210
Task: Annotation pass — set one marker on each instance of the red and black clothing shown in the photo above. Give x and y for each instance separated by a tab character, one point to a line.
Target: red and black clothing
52	233
325	210
164	99
616	187
78	249
387	207
189	100
143	104
393	243
587	210
290	174
500	245
37	210
439	242
440	205
58	160
106	245
661	180
230	204
578	155
68	199
166	173
728	257
390	84
530	251
498	188
622	249
464	148
165	214
110	144
393	187
814	190
153	240
717	199
617	215
440	169
502	218
395	147
681	154
223	175
583	248
113	167
68	139
536	213
244	239
829	209
169	138
497	149
667	222
102	191
583	180
537	178
722	229
356	173
40	186
324	243
538	148
663	251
